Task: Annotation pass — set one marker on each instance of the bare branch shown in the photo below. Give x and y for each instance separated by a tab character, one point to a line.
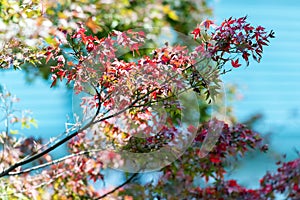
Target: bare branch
118	187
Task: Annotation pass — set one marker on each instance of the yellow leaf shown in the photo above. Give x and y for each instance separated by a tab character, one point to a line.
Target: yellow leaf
171	13
50	11
51	41
33	122
126	3
124	135
14	131
166	9
62	15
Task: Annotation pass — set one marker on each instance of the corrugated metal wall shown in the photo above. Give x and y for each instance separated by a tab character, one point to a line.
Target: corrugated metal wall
50	106
272	87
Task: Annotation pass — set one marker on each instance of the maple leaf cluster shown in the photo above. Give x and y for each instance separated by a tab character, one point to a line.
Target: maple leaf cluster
233	36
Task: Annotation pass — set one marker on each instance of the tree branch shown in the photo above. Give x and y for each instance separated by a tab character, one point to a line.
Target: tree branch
53	162
44	152
118	187
64	140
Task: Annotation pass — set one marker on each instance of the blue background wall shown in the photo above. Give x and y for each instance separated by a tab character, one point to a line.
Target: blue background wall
50	106
271	88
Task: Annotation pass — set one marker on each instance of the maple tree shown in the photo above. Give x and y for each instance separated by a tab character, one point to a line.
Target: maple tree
28	24
130	114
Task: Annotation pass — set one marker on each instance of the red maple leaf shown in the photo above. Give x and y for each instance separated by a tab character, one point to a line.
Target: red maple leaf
235	63
207	23
215	159
196	32
232	183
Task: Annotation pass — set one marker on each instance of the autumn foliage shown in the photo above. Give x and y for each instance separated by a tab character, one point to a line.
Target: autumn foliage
129	88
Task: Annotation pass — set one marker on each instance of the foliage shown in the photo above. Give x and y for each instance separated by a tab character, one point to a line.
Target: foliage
130	115
29	27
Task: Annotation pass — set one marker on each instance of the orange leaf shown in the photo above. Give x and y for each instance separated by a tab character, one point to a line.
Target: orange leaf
49	56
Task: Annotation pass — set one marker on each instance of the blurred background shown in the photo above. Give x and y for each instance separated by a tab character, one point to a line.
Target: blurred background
268	90
267	94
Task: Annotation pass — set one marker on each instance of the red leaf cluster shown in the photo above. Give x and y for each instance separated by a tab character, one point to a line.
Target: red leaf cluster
233	36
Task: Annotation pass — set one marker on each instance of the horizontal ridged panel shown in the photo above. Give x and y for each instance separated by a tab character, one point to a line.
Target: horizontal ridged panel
272	87
50	106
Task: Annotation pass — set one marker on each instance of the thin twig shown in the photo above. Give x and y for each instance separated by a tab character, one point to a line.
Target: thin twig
128	107
33	187
123	184
54	162
118	187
